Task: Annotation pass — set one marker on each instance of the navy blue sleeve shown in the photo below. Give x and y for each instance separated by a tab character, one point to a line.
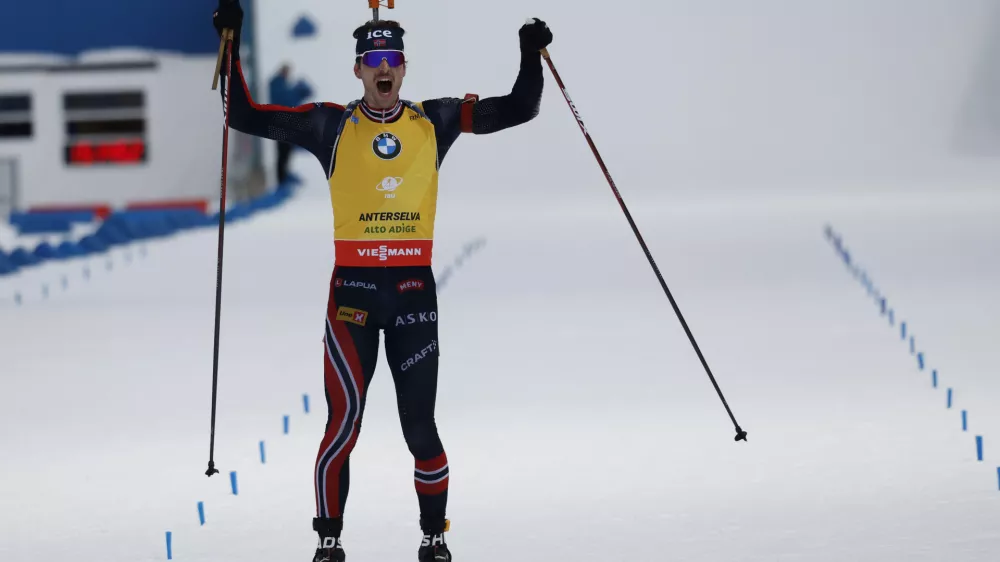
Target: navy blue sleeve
311	126
453	116
445	115
521	105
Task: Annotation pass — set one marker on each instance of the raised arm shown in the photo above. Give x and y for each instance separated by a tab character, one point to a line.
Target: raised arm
310	126
453	116
521	105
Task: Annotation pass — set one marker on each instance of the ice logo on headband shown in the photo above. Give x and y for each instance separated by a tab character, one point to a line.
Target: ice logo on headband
380	33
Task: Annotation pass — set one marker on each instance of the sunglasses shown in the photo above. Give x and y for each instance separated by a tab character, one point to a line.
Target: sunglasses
374	58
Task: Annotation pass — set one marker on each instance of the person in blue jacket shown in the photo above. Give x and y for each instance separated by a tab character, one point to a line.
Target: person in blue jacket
285	94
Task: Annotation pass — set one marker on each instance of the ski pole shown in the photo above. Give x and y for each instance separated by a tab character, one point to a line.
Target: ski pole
227	40
740	434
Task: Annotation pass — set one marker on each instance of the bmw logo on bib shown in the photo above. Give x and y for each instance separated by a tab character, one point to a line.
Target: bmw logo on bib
387	146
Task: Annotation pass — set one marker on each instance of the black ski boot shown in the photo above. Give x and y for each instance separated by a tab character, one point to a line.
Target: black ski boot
329	548
433	547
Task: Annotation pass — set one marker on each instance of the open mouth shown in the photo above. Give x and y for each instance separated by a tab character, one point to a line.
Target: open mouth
384	85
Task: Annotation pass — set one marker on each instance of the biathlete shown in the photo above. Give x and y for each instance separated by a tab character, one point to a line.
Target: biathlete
381	156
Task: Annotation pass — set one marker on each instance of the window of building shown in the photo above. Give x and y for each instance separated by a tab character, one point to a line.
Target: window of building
15	116
105	128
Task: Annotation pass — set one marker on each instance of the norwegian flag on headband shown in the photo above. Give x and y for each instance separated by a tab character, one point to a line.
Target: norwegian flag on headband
380	42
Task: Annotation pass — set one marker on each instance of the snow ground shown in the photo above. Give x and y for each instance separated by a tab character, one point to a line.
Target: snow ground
575	414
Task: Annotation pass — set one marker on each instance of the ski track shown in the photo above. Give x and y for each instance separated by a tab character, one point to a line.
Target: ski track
573	409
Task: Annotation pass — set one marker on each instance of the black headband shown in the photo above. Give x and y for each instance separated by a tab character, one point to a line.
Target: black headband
380	38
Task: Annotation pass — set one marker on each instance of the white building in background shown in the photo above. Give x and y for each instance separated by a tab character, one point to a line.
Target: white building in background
114	131
101	114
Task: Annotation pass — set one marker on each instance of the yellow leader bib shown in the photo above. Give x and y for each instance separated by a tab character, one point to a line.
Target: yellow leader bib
384	190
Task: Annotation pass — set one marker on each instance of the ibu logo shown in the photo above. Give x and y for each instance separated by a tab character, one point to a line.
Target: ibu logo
389	185
387	146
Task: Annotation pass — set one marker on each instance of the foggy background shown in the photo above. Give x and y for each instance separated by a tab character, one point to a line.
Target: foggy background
704	97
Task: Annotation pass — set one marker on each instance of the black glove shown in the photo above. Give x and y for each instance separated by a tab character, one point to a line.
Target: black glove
229	15
535	36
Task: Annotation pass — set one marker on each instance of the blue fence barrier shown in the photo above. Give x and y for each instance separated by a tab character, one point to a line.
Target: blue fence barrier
119	228
905	331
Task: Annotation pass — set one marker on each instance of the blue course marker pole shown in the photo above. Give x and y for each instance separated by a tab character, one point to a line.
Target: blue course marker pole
920	360
892	317
902	331
170	550
979	447
949	398
998	476
201	512
286	425
232	480
913	346
934	378
965	420
884	306
305	402
263	459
